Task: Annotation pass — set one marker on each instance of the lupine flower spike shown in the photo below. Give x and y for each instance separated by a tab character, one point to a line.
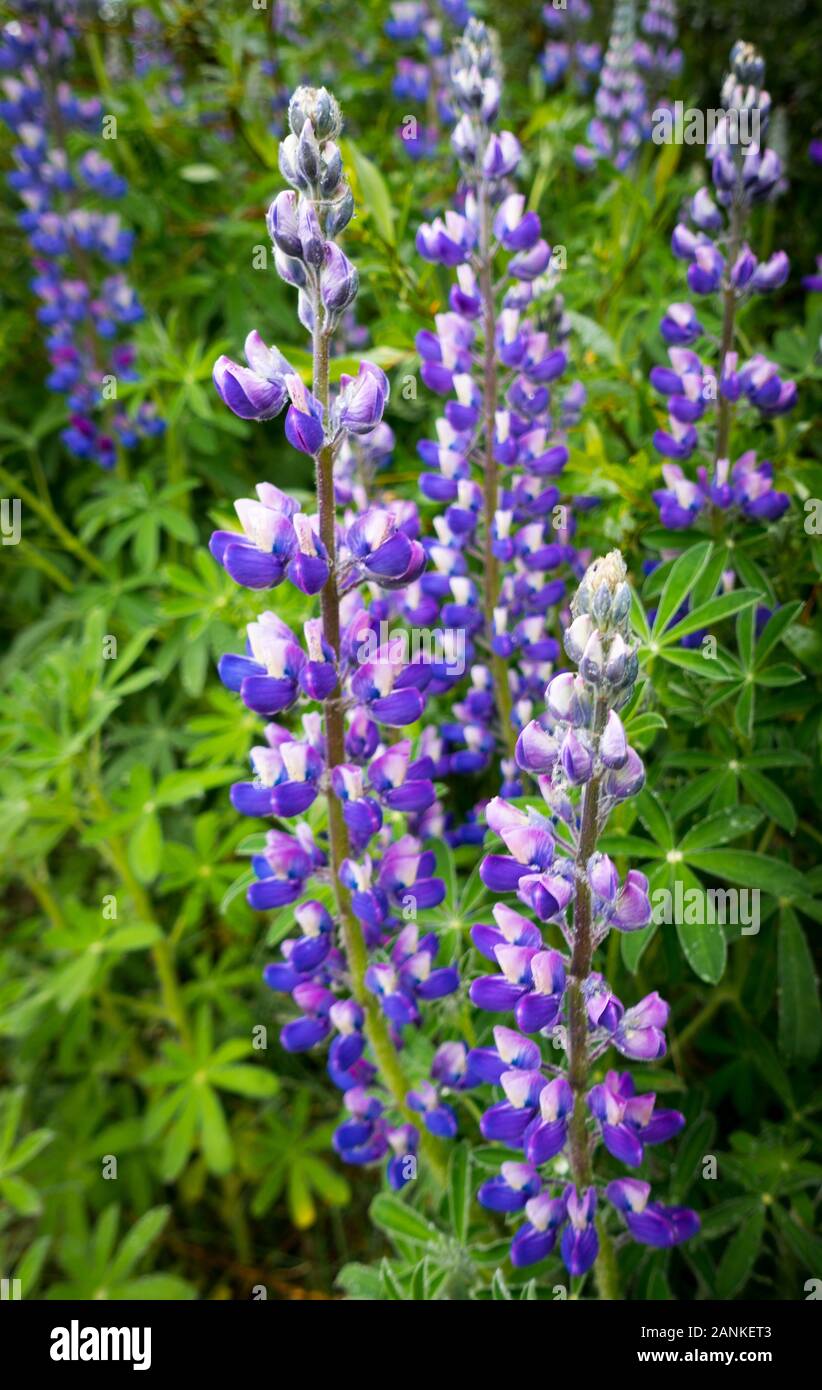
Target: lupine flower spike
551	1000
703	395
87	305
497	356
361	970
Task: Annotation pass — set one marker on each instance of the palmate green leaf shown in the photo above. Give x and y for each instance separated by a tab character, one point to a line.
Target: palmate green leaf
714	611
740	1255
750	870
800	1017
684	573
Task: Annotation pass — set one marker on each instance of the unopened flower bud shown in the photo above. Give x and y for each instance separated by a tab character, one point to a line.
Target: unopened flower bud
576	636
593	659
308	154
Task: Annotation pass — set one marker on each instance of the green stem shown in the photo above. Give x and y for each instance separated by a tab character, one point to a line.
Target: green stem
354	945
68	541
161	952
490	490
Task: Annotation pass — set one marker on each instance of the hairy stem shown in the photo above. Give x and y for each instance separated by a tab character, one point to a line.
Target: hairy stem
354	945
723	426
578	1059
491	576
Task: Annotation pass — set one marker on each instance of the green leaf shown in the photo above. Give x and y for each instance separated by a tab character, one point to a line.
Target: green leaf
768	795
145	848
726	1218
706	667
245	1081
359	1281
723	606
685	571
156	1288
750	870
392	1288
800	1017
179	1141
655	818
703	942
20	1195
30	1265
136	938
401	1221
806	1246
375	198
744	710
775	630
459	1190
696	1143
740	1255
592	337
217	1147
720	828
142	1234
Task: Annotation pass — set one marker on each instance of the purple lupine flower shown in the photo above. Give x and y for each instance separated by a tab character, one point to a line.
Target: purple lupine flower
560	996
